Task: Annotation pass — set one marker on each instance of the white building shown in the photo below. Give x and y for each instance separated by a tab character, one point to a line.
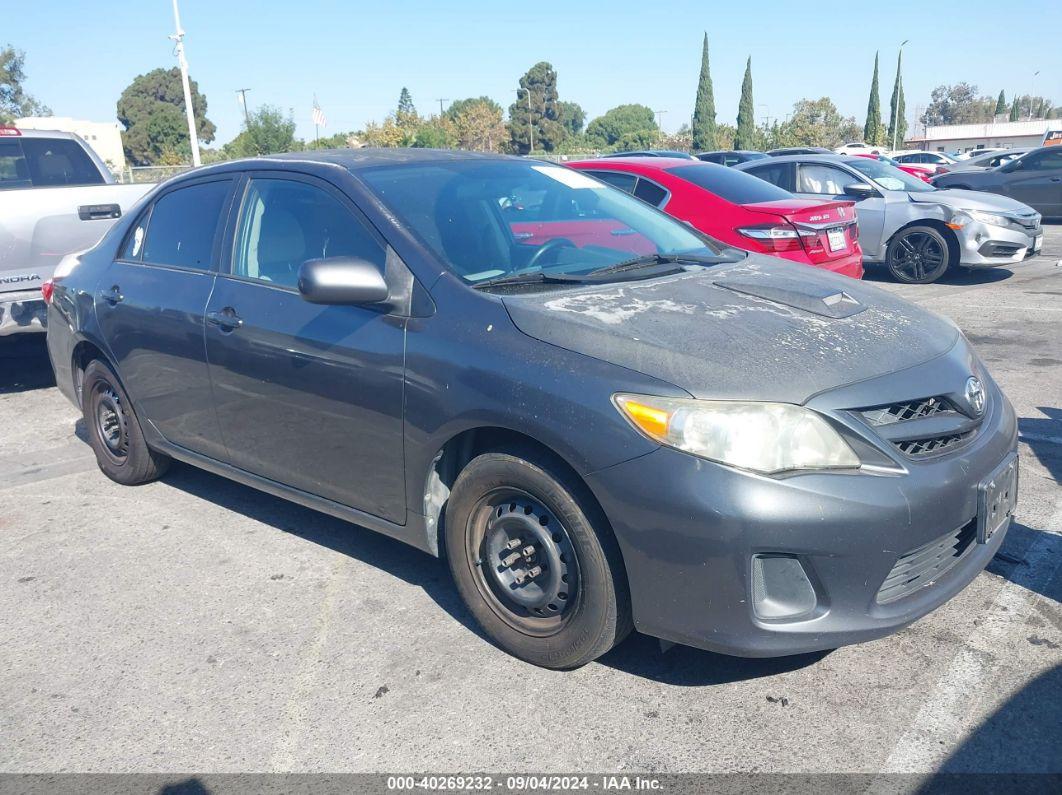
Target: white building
998	134
105	137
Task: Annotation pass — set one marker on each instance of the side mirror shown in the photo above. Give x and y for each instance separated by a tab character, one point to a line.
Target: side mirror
860	190
341	280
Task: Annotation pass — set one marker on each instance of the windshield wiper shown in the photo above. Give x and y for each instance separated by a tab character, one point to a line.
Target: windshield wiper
655	260
534	277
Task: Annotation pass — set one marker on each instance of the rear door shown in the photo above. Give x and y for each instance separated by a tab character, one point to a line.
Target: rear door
1037	181
150	304
307	395
827	181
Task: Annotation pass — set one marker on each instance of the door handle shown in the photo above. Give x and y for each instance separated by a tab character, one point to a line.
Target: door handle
1056	179
96	212
225	319
112	296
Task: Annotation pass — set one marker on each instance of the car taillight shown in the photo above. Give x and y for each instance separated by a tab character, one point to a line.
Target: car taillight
775	237
47	289
853	231
940	170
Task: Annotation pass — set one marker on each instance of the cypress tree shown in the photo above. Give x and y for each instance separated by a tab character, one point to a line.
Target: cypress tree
1001	105
872	128
897	109
1015	111
745	136
704	109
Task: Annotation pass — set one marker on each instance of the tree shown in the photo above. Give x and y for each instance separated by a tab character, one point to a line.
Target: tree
435	133
538	87
477	124
958	104
746	118
623	127
15	103
572	116
147	109
816	123
1001	104
872	128
897	108
704	128
267	132
1015	110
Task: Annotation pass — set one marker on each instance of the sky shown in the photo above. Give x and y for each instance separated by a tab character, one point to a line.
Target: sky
357	56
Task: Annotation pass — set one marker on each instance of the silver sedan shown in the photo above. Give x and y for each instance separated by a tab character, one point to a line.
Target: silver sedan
915	229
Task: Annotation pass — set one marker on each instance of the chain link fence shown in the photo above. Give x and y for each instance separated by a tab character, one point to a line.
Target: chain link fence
132	174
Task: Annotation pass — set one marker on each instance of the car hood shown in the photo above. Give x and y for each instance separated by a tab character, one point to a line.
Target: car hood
971	200
760	329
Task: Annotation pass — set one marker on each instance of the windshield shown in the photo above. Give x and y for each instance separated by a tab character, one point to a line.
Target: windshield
487	219
888	177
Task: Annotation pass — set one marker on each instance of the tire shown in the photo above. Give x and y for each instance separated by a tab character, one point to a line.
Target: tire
114	430
578	606
918	255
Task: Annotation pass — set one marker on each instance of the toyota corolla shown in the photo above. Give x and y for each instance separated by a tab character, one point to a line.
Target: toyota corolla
649	431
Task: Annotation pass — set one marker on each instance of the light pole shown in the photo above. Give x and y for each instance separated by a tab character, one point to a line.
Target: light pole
243	103
530	126
1032	96
178	37
766	116
896	90
441	101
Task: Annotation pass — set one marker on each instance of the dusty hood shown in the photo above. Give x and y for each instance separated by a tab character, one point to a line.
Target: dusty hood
972	200
759	329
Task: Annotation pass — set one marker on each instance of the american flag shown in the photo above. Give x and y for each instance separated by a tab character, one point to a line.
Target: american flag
319	119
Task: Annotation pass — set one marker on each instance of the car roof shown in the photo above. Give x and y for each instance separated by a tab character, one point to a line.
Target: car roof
35	133
355	159
731	152
643	162
823	158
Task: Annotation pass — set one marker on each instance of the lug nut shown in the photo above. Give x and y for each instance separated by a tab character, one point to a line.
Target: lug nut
509	560
513	543
521	576
534	571
527	551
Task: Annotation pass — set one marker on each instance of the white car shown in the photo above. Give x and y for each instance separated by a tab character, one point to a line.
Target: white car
978	152
917	156
860	148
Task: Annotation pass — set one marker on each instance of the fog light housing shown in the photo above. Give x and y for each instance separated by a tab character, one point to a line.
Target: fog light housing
781	588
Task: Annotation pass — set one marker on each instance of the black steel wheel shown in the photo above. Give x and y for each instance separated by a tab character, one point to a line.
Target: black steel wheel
114	430
918	255
535	561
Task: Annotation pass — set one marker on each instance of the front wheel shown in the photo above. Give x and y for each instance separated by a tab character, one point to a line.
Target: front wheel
918	255
534	563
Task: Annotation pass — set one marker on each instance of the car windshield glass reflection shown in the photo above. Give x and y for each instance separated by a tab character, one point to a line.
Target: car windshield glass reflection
889	177
487	220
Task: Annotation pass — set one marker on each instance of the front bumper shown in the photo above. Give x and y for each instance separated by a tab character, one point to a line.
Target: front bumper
24	311
692	532
989	245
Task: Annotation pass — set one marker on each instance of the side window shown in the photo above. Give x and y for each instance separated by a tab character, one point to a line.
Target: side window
649	192
823	179
1044	161
54	162
616	179
183	225
779	174
133	246
13	170
713	158
283	223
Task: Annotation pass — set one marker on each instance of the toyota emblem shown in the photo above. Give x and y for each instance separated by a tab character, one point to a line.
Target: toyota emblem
975	395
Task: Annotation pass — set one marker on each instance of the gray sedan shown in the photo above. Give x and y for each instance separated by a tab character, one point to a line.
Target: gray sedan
1034	178
915	229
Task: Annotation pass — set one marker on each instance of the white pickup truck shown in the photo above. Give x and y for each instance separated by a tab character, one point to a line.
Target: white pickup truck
56	197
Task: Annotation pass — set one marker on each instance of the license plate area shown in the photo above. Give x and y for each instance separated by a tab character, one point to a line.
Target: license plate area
997	495
835	239
1038	243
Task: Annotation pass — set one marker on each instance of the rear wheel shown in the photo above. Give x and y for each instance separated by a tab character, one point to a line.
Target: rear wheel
534	563
114	430
918	255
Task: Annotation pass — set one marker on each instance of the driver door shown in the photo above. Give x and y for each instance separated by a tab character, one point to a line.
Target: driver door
1036	180
827	181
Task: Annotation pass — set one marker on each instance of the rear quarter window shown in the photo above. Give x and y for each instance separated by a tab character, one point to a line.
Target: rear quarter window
59	162
736	187
183	225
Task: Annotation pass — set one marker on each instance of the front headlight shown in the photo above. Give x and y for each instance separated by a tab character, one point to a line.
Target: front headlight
763	437
989	218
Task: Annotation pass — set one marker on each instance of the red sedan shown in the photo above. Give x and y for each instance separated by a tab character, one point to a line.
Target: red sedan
923	172
741	210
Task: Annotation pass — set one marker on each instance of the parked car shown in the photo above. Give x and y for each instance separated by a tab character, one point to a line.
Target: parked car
731	157
917	231
919	157
981	150
990	160
924	173
56	197
1034	178
697	443
740	210
653	153
858	147
799	150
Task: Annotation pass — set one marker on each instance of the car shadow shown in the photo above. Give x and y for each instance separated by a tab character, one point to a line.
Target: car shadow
639	655
1044	437
24	364
1010	560
876	272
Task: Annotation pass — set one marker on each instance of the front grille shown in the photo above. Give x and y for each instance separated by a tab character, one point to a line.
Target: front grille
934	444
909	410
923	566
